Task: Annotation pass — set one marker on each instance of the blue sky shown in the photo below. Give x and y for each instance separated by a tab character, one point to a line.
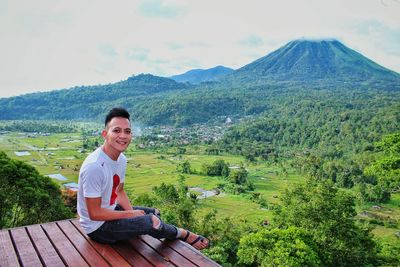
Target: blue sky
53	44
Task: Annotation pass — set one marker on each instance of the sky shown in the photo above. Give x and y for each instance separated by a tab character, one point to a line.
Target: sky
54	44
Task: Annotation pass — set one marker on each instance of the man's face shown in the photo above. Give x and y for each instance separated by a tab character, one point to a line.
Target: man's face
117	134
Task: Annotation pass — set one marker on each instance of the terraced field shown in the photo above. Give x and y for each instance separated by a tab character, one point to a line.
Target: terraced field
63	154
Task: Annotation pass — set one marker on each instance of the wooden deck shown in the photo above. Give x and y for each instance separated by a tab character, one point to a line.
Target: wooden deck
63	243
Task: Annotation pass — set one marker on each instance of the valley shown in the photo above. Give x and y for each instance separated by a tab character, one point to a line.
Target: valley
63	153
298	151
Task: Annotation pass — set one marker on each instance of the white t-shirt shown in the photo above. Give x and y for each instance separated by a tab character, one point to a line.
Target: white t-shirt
98	177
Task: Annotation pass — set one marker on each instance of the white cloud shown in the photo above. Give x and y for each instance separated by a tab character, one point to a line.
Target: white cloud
50	44
252	40
159	8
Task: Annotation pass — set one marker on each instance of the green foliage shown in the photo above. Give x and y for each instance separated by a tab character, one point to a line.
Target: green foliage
184	167
323	121
238	181
279	247
145	199
212	150
225	234
371	193
258	198
39	126
386	169
327	214
180	150
217	168
47	126
176	205
26	196
166	193
390	144
389	254
239	176
90	142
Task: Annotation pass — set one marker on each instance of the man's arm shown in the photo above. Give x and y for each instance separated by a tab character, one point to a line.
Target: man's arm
97	213
122	198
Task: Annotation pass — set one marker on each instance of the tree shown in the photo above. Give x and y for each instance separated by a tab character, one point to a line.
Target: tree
27	197
217	168
184	167
327	214
386	169
175	204
225	234
389	254
239	176
279	247
166	193
180	150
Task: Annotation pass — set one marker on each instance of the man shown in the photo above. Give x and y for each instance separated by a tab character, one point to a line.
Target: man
103	206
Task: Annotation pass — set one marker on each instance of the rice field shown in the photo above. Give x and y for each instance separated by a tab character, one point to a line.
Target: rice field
63	154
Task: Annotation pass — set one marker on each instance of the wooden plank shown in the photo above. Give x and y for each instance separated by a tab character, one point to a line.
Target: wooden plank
190	253
24	247
130	254
7	253
63	246
112	256
149	253
64	242
44	247
164	250
82	245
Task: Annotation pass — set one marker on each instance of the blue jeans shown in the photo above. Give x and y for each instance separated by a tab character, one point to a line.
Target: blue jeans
124	229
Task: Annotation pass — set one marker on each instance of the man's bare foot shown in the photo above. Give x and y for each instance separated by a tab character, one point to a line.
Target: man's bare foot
197	241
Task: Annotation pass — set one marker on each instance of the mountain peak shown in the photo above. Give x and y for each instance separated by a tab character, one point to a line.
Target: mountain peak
197	76
321	60
314	40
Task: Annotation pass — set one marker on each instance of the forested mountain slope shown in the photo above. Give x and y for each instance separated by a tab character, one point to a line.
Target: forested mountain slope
313	69
86	102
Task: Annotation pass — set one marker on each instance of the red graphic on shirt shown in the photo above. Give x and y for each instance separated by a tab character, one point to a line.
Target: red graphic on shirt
113	193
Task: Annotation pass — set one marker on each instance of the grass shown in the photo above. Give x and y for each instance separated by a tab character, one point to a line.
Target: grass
390	210
236	207
385	218
49	154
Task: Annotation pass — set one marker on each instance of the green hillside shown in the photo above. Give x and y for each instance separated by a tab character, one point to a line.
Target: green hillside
85	102
300	68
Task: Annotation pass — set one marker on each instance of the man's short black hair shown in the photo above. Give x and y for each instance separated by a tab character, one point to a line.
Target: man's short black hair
116	112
